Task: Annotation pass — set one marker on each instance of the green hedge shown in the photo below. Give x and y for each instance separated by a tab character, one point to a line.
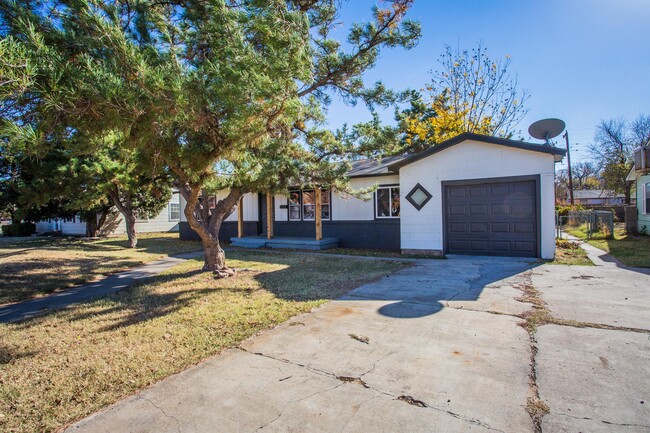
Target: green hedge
19	229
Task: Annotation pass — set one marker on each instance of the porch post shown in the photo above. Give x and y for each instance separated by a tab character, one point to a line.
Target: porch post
318	215
269	215
240	218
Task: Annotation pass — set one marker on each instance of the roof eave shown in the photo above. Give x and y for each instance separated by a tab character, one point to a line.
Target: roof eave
388	173
556	152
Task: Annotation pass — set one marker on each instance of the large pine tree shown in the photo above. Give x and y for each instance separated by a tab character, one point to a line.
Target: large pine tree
227	95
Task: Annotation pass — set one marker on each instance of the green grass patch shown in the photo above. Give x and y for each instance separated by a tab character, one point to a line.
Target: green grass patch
632	250
32	267
61	367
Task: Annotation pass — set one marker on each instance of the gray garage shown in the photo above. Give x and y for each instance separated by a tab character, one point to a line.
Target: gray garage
485	196
493	217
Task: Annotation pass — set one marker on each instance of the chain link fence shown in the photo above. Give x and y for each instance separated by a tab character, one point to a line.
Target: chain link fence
586	224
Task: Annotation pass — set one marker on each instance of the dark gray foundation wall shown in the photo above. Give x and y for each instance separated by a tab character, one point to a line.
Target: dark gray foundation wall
228	230
374	234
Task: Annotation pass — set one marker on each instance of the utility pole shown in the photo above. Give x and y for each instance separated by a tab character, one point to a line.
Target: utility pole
568	159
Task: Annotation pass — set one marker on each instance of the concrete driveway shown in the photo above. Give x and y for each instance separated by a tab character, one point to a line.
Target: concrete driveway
436	347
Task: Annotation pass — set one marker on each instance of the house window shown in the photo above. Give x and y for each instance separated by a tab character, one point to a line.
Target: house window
387	202
302	205
308	205
646	198
294	206
174	212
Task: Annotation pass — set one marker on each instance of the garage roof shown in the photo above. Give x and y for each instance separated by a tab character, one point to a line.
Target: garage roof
374	167
408	159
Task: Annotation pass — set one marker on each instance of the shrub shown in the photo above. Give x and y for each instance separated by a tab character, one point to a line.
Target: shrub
566	245
19	229
563	210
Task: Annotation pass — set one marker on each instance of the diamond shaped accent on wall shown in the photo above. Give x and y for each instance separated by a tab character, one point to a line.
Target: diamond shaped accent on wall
418	196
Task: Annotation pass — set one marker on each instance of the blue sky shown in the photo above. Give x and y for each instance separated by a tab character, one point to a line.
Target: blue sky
580	60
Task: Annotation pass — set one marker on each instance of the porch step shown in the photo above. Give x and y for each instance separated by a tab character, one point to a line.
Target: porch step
248	242
294	243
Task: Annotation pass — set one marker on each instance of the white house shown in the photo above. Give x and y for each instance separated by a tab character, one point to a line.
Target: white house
640	175
472	194
166	221
598	197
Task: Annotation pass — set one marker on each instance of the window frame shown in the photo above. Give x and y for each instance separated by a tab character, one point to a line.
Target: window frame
646	197
297	205
301	205
312	205
390	189
169	212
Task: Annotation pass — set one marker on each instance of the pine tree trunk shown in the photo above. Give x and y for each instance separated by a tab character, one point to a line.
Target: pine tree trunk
130	230
101	221
91	227
215	259
126	209
208	230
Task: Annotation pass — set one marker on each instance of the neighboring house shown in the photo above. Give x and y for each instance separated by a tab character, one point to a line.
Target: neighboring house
640	175
472	194
596	197
166	221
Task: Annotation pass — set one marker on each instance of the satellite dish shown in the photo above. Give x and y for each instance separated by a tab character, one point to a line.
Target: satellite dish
546	129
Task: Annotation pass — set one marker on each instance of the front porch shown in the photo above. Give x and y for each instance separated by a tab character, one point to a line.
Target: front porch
284	242
268	240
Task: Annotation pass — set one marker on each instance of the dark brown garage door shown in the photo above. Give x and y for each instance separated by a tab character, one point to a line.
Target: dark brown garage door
492	218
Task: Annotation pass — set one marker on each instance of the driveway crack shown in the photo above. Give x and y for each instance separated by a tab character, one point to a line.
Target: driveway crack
289	403
356	410
602	421
365	385
161	410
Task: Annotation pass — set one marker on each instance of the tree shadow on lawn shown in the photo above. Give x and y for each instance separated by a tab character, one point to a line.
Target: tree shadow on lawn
27	279
9	354
164	245
137	303
300	279
417	291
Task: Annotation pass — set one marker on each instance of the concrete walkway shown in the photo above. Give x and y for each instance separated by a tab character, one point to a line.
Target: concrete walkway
86	292
435	347
600	257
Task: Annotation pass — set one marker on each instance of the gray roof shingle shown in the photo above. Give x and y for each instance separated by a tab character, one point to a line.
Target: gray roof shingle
374	167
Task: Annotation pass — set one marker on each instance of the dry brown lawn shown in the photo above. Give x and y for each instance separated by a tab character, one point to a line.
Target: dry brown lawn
570	253
31	267
61	367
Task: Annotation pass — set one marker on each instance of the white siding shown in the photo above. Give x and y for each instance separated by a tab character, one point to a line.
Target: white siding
75	227
251	207
280	214
471	160
183	204
345	208
159	223
69	226
44	226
